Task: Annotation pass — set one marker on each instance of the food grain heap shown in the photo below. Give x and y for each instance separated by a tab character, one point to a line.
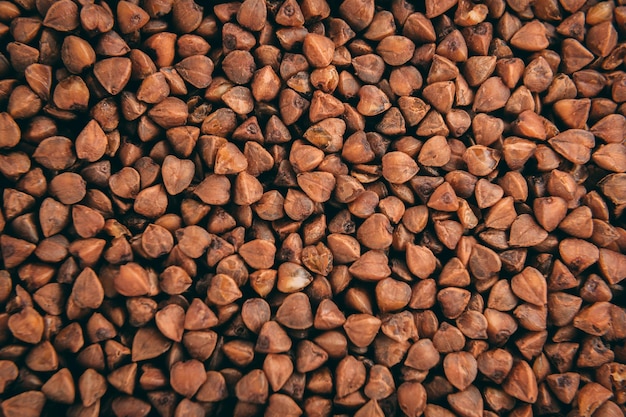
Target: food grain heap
285	208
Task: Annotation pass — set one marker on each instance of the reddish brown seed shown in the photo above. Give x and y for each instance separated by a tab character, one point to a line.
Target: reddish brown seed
460	368
28	404
361	329
130	17
187	377
69	188
177	174
591	397
77	54
170	112
27	325
531	37
521	382
87	291
223	290
196	70
132	280
420	261
318	50
71	94
396	50
372	101
60	387
113	74
253	387
398	167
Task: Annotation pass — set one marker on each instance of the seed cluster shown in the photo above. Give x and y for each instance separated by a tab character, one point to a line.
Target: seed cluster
320	208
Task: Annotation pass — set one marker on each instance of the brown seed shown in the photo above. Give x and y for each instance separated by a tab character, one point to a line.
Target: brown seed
444	198
272	339
259	254
521	383
130	17
420	261
27	404
318	50
72	94
91	143
538	75
253	387
87	291
481	160
113	74
375	232
196	70
369	68
349	376
530	285
62	16
177	174
92	386
278	369
151	202
265	84
187	377
132	280
317	185
453	301
77	54
170	321
460	369
357	13
575	145
39	78
153	89
372	101
577	254
591	397
60	387
8	374
174	280
495	364
392	295
170	112
412	398
199	316
531	37
595	319
327	134
380	383
295	312
248	190
398	167
396	50
435	152
491	95
214	388
187	16
10	131
68	187
361	329
309	356
27	325
601	38
223	290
